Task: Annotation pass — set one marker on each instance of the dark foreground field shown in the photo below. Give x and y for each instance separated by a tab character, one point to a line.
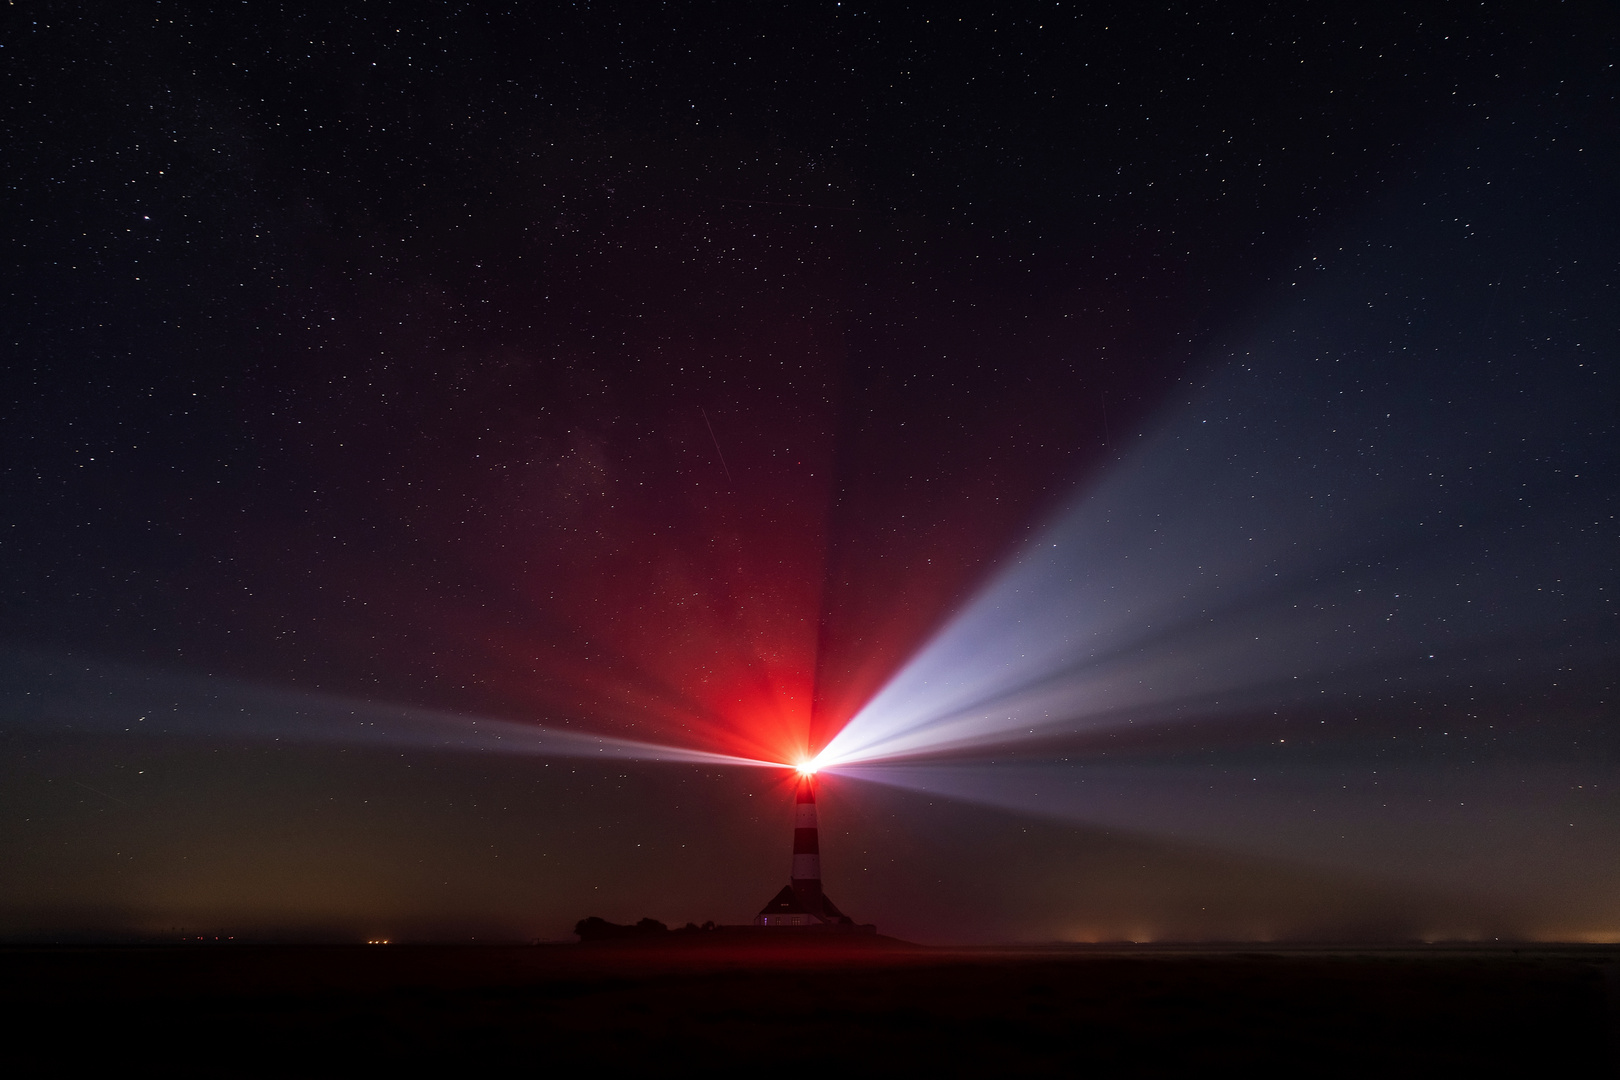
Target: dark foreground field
563	1010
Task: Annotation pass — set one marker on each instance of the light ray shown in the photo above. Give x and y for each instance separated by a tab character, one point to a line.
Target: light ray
70	695
1343	504
1508	821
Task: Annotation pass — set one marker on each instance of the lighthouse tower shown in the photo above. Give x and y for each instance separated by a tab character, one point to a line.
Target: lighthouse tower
801	902
805	878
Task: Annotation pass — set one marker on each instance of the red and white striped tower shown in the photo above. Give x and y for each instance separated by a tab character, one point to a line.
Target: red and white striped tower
801	901
805	879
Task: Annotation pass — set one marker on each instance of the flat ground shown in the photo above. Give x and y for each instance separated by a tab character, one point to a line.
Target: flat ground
558	1010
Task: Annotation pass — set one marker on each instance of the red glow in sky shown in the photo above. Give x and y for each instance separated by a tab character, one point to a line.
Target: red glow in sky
718	528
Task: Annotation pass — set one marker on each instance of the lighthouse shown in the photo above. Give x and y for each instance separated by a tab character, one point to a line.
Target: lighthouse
801	902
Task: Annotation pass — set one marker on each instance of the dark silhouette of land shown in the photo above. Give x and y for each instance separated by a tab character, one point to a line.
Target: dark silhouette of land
857	1003
651	932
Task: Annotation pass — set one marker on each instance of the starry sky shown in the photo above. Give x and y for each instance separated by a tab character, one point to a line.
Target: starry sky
702	376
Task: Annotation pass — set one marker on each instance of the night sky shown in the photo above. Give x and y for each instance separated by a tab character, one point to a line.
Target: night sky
1173	450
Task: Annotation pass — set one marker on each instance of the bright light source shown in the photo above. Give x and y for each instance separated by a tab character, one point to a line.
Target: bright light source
806	768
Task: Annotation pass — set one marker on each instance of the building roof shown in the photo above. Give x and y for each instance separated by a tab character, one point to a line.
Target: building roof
788	902
785	902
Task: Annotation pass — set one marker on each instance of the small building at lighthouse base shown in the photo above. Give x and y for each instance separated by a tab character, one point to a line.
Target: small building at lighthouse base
798	907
